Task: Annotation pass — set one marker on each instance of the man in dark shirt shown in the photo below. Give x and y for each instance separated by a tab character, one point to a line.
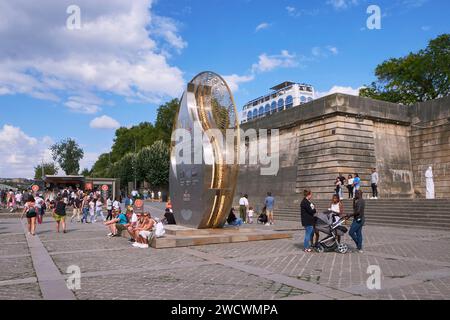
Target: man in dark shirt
59	214
307	211
358	220
169	217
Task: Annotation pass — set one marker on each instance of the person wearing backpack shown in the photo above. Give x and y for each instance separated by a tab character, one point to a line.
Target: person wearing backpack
31	213
59	214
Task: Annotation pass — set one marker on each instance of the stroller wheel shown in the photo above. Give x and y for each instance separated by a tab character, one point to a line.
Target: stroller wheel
342	248
319	248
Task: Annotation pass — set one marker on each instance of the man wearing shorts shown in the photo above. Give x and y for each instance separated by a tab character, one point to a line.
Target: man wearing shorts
145	233
117	225
269	203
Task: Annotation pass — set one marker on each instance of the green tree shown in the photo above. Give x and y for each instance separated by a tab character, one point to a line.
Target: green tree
49	169
86	172
153	164
165	119
127	139
68	155
417	77
124	168
101	168
134	139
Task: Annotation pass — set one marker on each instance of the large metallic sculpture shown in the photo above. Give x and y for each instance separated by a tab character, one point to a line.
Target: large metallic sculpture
202	189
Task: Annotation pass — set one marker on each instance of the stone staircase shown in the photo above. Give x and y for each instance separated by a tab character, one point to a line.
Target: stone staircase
414	213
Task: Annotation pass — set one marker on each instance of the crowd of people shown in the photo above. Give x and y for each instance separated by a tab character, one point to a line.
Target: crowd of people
308	210
247	212
353	184
87	207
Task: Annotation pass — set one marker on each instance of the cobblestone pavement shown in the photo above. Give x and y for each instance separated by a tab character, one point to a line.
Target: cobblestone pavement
414	264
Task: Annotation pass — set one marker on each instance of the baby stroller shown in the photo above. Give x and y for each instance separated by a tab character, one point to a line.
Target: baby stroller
329	223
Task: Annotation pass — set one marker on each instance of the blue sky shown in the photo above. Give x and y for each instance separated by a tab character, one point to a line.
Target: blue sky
128	57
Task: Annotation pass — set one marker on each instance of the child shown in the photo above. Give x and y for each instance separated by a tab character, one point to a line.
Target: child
250	214
92	210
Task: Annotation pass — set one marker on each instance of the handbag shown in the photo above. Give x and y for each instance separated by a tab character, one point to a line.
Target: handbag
159	230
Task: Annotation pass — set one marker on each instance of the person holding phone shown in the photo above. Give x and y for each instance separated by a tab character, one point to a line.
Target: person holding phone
358	220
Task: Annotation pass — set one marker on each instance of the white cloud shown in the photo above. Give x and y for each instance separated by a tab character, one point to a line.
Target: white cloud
414	3
104	122
167	28
324	52
89	159
20	153
88	104
339	89
271	62
342	4
118	50
294	12
333	50
291	10
235	80
262	26
265	63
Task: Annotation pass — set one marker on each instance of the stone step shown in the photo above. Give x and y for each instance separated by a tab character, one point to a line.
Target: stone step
171	241
425	221
442	210
369	213
178	236
385	222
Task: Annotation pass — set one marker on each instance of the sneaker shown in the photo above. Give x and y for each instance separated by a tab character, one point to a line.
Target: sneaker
143	246
360	251
109	234
135	244
131	240
307	250
267	224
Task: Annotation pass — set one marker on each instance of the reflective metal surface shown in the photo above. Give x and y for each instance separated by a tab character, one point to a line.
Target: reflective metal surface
202	192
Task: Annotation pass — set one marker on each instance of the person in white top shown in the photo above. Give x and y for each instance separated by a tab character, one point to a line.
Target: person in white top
430	194
18	199
116	205
350	186
337	209
159	195
250	214
39	203
109	207
91	210
99	210
243	207
374	179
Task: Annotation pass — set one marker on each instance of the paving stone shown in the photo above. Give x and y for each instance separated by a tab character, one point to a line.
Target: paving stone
28	291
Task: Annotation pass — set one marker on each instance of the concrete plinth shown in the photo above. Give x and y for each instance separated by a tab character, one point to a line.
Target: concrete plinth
179	236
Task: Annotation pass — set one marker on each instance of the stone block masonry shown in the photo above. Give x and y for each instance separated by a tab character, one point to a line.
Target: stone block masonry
346	134
430	145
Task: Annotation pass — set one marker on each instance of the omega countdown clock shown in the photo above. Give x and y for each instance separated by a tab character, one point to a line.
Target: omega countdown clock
204	153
